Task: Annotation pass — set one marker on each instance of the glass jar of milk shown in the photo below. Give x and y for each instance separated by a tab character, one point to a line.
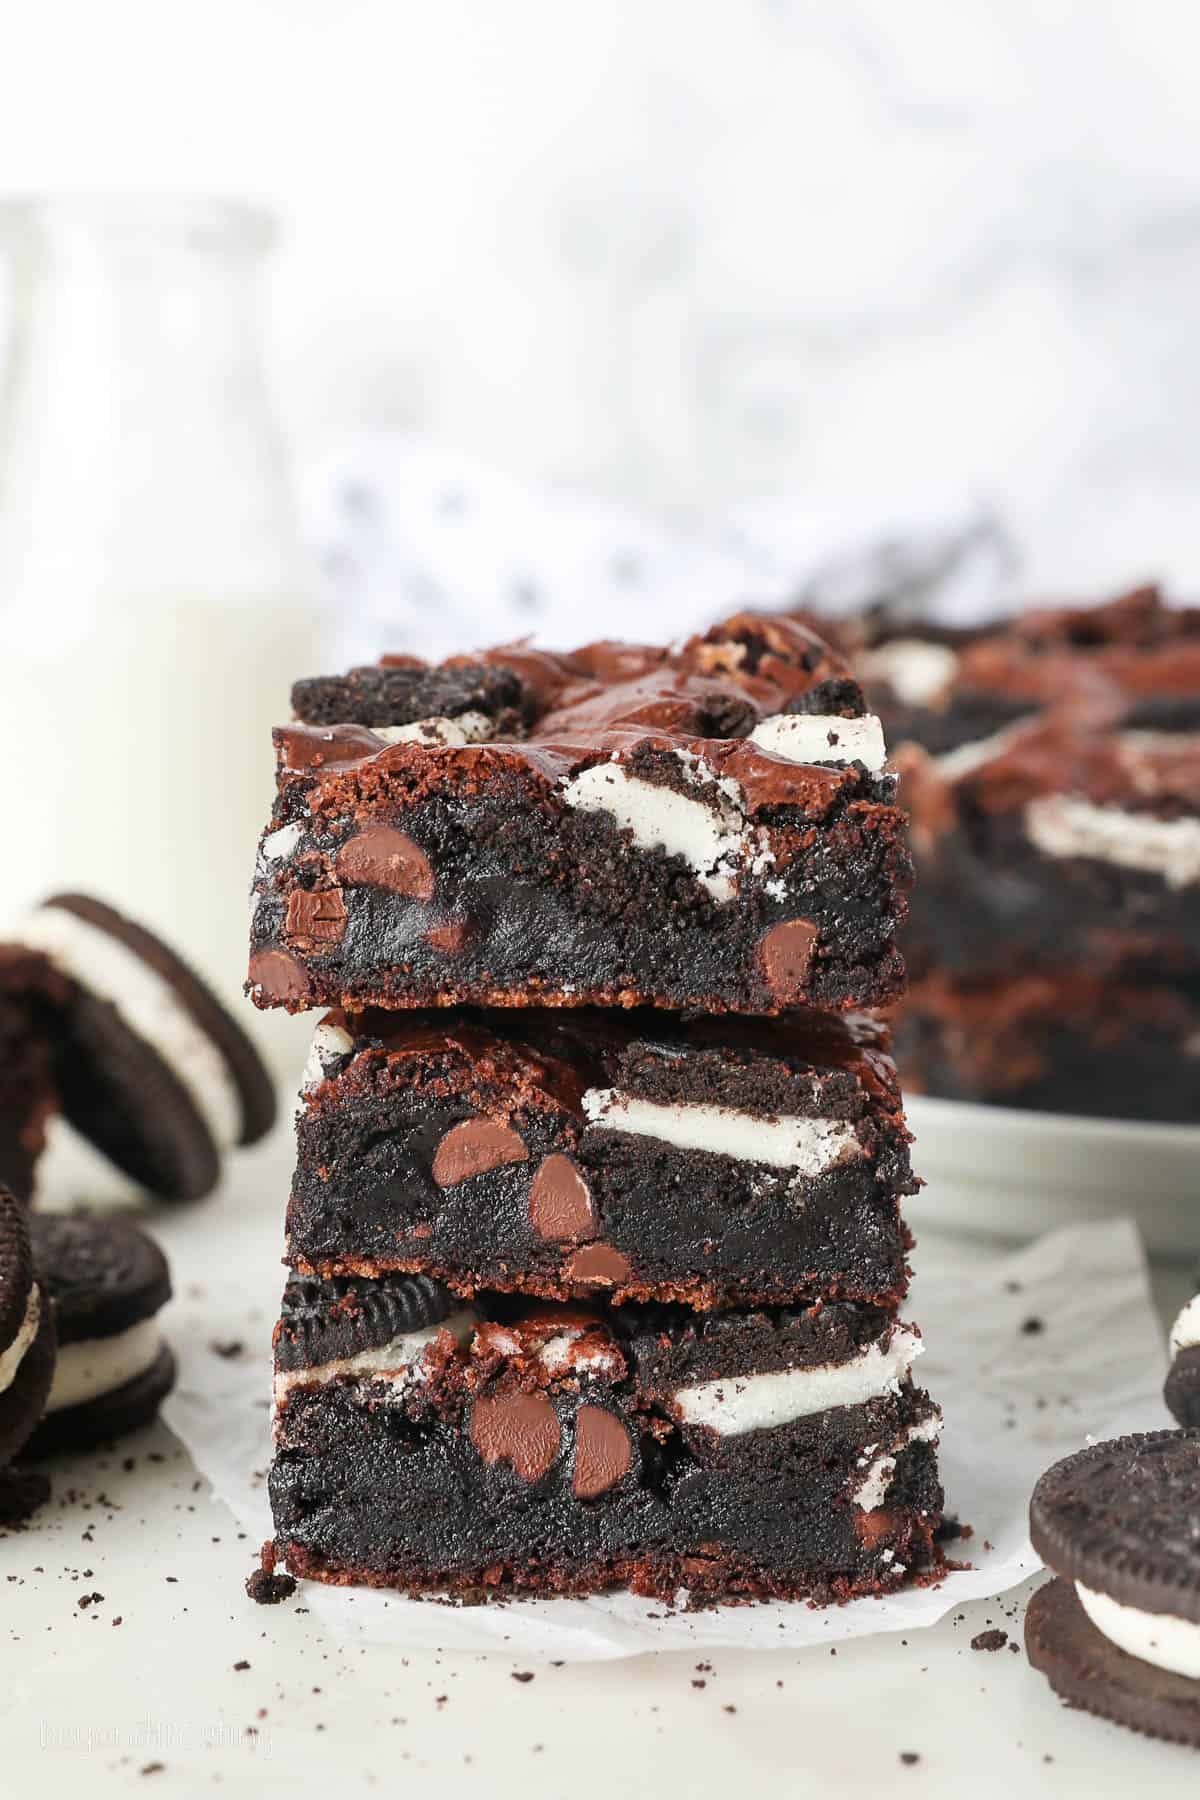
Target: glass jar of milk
154	606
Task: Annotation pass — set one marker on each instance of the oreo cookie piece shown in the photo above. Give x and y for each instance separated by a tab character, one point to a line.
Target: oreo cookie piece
149	1065
1181	1390
108	1281
1118	1632
340	1320
27	1335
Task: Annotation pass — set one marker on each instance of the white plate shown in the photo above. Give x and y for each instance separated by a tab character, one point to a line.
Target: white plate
999	1172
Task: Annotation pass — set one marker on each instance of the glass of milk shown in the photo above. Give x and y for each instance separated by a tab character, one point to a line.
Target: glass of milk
154	605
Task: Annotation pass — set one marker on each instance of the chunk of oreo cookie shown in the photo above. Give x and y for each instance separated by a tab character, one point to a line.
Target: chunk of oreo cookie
1181	1390
327	1321
1118	1632
149	1065
108	1281
27	1334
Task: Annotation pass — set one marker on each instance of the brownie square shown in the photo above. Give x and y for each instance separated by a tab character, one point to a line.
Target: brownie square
717	1161
711	826
426	1443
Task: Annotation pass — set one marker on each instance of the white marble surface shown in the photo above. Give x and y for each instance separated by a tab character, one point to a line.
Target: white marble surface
690	254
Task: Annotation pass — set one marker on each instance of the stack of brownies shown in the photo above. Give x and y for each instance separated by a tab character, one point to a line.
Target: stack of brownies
595	1247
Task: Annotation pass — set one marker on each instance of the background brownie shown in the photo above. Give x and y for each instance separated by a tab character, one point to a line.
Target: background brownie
711	827
562	1153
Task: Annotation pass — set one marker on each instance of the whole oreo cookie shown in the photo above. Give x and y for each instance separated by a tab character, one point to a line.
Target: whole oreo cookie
327	1321
149	1065
108	1281
1118	1633
27	1334
1181	1390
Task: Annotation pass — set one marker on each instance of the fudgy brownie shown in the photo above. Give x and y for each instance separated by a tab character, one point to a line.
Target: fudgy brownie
1057	846
28	983
710	826
718	1161
427	1443
1056	1043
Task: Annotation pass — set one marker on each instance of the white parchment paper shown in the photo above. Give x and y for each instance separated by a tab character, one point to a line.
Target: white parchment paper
1028	1353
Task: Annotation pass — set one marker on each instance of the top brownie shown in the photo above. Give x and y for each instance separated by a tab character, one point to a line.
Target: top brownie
708	826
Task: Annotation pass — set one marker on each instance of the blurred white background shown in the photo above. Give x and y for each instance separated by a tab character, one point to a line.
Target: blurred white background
687	252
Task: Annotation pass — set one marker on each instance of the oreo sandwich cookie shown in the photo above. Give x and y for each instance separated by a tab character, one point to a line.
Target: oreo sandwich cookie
27	1336
348	1324
1181	1391
149	1066
1118	1631
108	1281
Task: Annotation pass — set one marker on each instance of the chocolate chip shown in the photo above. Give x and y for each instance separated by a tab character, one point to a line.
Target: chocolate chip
381	856
473	1148
521	1429
315	915
560	1202
279	977
603	1452
786	954
600	1264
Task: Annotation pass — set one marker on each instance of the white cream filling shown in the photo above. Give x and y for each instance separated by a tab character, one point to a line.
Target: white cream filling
1185	1332
823	738
282	842
880	1466
95	1366
952	765
810	1146
150	1007
915	671
329	1044
1062	825
711	835
396	1361
733	1405
556	1354
12	1358
467	728
1158	1638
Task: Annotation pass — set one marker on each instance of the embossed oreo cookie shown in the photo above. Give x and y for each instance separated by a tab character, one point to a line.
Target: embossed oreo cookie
1118	1632
149	1065
326	1322
27	1335
1181	1391
108	1282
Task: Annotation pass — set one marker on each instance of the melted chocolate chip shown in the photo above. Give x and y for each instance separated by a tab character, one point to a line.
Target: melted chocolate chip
279	978
521	1429
473	1148
381	856
786	954
600	1265
316	916
603	1452
560	1202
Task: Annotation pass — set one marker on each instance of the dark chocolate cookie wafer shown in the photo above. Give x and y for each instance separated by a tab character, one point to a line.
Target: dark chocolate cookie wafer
27	1336
150	1067
108	1281
328	1321
1181	1390
1119	1633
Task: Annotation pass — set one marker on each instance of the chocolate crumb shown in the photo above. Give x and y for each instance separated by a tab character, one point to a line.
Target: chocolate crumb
228	1348
1032	1326
269	1589
522	1674
239	1666
909	1757
990	1640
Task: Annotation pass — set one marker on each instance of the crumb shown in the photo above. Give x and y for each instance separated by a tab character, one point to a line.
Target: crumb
909	1757
522	1674
229	1348
152	1768
269	1589
239	1666
699	1684
731	1709
1032	1326
995	1639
